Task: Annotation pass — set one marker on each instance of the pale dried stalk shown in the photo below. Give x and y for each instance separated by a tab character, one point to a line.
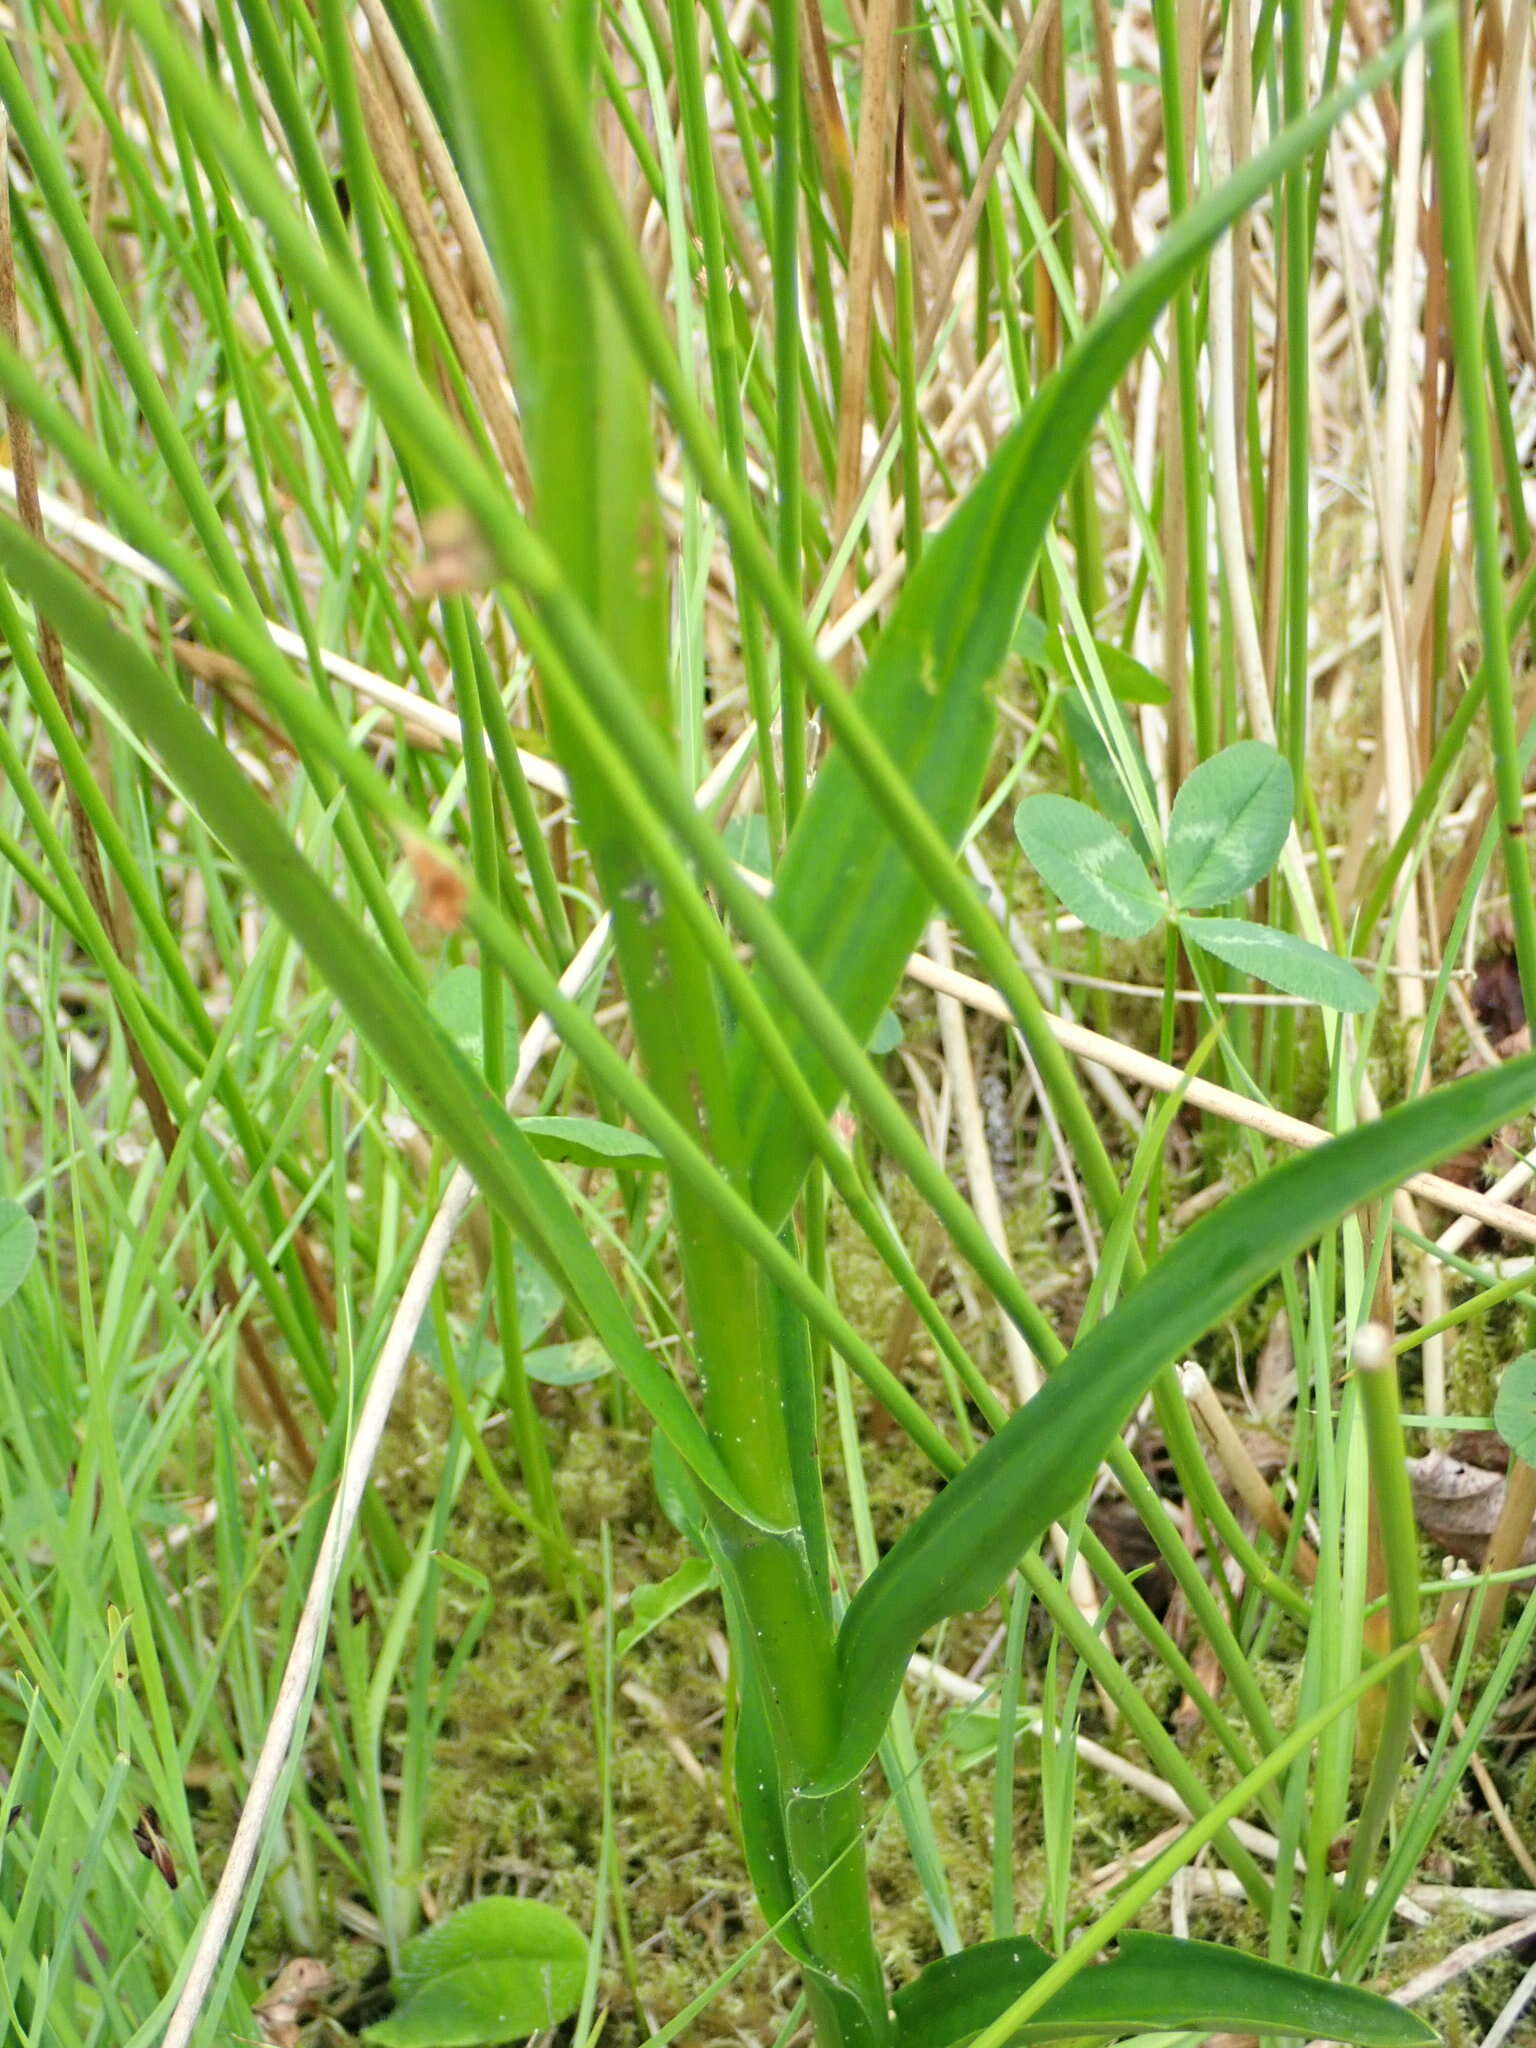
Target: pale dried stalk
1217	1101
1502	136
437	719
958	245
397	166
864	251
1459	1961
982	1179
485	291
1434	1672
1134	1777
1398	743
1123	225
1247	1480
1506	1545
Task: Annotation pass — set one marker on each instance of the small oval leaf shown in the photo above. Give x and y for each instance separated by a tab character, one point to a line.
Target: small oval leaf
583	1141
1228	825
1129	679
1103	770
1090	866
1283	960
656	1603
456	1002
496	1970
1514	1412
886	1036
18	1247
568	1365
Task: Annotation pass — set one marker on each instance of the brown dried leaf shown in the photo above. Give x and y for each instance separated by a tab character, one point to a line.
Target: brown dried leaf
441	892
455	557
1457	1505
150	1841
1274	1386
291	1997
1496	996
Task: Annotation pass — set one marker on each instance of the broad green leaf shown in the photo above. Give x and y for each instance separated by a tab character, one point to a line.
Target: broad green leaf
479	1357
651	1605
1093	868
677	1491
496	1970
848	897
455	1002
583	1141
1131	680
1103	773
18	1247
1032	639
575	1364
746	838
1514	1411
1228	825
1283	960
886	1035
952	1559
420	1059
1154	1982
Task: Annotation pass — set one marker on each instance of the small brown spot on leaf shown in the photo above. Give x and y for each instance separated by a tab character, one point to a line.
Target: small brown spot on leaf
295	1991
151	1843
455	557
441	891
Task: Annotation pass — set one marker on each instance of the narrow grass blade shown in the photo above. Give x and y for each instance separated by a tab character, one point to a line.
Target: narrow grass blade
390	1016
959	1550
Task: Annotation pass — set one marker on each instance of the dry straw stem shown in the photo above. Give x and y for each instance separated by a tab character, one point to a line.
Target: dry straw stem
437	720
864	255
985	1200
1506	1546
397	165
1502	1819
1459	1961
461	217
1237	1461
1415	1903
1398	742
1217	1101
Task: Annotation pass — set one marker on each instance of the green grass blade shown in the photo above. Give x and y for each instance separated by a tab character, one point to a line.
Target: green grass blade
957	1553
418	1055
